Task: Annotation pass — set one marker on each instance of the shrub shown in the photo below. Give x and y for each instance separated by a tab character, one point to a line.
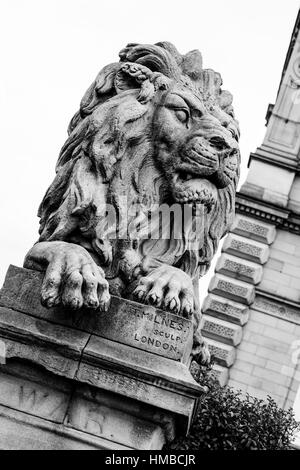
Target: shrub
227	420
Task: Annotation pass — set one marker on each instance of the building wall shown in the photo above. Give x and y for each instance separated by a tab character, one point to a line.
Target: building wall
252	312
264	358
281	274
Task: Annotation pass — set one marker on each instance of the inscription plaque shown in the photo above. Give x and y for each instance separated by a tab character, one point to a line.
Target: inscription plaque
147	328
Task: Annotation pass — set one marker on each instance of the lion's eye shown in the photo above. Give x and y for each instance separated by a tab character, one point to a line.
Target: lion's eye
182	114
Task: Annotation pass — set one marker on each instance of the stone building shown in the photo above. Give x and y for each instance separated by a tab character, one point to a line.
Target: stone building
252	311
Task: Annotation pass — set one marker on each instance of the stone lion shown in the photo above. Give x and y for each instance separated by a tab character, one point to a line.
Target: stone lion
153	130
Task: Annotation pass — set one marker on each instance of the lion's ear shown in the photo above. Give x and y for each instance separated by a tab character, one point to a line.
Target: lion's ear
192	64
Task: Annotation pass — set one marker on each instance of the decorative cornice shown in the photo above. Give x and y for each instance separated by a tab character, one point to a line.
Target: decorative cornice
282	218
260	210
293	227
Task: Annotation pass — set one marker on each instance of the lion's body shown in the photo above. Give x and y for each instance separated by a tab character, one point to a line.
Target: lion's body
133	148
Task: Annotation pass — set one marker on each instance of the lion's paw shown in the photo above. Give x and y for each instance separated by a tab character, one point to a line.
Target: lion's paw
168	288
72	278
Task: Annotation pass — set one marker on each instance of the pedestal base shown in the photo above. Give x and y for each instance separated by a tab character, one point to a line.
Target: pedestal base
89	380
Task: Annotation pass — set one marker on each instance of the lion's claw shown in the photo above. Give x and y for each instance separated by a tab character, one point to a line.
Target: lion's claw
168	288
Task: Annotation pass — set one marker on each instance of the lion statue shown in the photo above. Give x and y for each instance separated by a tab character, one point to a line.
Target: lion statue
154	131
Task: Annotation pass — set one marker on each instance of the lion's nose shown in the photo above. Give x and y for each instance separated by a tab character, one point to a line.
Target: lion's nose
219	142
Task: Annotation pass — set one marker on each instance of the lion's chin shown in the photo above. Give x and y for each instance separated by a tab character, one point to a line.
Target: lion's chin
195	190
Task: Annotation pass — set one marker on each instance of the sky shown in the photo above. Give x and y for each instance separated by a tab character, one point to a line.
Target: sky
52	50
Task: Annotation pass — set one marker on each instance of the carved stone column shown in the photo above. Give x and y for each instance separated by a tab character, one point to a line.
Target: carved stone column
114	380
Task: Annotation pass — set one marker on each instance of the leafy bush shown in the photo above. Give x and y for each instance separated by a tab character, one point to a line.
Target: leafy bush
226	420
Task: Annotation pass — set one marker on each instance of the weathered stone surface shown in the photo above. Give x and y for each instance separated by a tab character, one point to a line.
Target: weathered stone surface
39	394
52	346
241	269
158	392
232	289
117	426
126	364
254	229
221	330
225	309
69	341
165	419
141	326
34	398
223	354
145	327
245	248
21	431
65	355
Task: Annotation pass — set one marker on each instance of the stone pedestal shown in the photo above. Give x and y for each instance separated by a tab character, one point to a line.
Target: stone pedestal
90	380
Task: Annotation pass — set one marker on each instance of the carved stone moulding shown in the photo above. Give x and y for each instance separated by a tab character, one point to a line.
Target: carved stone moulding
232	289
260	231
241	269
219	329
220	307
78	381
247	249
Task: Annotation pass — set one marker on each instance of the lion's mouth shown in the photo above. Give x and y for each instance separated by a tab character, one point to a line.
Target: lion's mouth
199	177
191	188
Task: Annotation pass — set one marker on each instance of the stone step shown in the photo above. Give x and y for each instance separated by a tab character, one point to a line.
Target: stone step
221	330
254	229
246	248
238	268
232	289
223	354
225	309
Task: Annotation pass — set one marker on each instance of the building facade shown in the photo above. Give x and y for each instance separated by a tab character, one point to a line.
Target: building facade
251	315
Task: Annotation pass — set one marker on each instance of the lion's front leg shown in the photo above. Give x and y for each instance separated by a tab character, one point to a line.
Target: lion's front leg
168	288
72	277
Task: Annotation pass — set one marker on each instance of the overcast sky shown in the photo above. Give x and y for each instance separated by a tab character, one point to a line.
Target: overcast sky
52	50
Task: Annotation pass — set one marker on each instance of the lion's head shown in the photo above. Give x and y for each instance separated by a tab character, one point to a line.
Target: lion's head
155	126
